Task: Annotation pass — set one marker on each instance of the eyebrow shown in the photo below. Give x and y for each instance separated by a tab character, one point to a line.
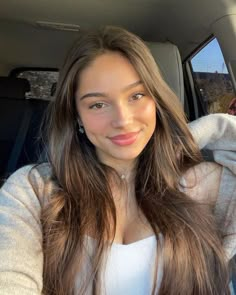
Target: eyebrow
102	94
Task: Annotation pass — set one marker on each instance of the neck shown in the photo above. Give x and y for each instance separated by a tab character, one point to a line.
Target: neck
125	169
124	178
126	175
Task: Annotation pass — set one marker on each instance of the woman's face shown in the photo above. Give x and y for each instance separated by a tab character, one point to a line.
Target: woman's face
115	109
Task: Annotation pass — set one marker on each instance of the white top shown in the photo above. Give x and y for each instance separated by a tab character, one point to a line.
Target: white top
130	268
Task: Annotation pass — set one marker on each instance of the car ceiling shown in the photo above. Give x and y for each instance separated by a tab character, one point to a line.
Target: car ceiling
186	23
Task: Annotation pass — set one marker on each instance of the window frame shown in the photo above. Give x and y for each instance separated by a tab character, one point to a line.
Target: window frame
194	99
14	72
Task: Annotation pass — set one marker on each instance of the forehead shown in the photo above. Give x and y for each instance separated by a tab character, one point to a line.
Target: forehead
109	71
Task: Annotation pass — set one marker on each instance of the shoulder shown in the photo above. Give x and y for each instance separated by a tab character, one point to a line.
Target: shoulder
202	182
21	238
28	175
22	185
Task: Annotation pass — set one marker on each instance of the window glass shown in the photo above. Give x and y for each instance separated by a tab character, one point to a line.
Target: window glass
212	80
41	83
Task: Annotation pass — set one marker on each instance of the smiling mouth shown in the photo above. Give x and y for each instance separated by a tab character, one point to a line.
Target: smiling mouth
124	139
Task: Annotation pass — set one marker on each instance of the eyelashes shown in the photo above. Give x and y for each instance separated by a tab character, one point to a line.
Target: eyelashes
100	105
97	106
138	96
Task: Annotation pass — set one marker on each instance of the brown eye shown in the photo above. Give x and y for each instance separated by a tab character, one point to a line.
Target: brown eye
137	96
98	105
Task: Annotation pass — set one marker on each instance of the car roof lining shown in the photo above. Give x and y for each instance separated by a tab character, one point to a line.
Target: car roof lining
184	23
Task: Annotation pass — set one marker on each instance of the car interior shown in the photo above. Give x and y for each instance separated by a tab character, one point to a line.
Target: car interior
36	35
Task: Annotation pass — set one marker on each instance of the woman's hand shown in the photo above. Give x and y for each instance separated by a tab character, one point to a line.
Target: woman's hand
203	181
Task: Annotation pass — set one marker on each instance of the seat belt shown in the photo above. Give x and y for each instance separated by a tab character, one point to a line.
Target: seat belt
19	141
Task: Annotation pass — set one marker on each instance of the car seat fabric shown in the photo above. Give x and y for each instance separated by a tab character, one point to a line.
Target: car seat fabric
19	124
12	109
168	59
15	88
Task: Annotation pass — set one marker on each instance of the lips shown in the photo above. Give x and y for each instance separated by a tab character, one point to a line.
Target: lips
124	139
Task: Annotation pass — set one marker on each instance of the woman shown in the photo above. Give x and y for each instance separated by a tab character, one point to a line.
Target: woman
125	204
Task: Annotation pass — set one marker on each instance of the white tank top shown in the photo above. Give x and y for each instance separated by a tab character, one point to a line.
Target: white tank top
130	268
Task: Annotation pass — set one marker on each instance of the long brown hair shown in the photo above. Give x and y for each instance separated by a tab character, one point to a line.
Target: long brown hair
81	197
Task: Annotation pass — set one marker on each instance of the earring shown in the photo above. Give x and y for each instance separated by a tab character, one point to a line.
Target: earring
81	128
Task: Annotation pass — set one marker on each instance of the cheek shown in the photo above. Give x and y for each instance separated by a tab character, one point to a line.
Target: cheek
95	124
148	112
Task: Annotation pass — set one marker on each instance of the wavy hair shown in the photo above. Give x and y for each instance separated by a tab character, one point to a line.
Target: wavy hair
81	197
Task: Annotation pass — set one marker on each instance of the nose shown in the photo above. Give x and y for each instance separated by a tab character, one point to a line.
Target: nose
122	116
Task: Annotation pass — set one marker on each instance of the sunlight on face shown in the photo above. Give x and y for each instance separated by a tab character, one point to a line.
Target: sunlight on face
117	112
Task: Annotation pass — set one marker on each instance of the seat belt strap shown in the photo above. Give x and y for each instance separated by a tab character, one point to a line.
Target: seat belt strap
19	141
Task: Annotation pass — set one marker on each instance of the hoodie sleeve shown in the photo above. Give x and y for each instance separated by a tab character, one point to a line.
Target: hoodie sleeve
21	255
217	132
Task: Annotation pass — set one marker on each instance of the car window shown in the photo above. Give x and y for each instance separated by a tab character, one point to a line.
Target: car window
212	80
41	82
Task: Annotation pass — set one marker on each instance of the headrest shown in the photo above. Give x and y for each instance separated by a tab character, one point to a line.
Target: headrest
168	59
13	87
